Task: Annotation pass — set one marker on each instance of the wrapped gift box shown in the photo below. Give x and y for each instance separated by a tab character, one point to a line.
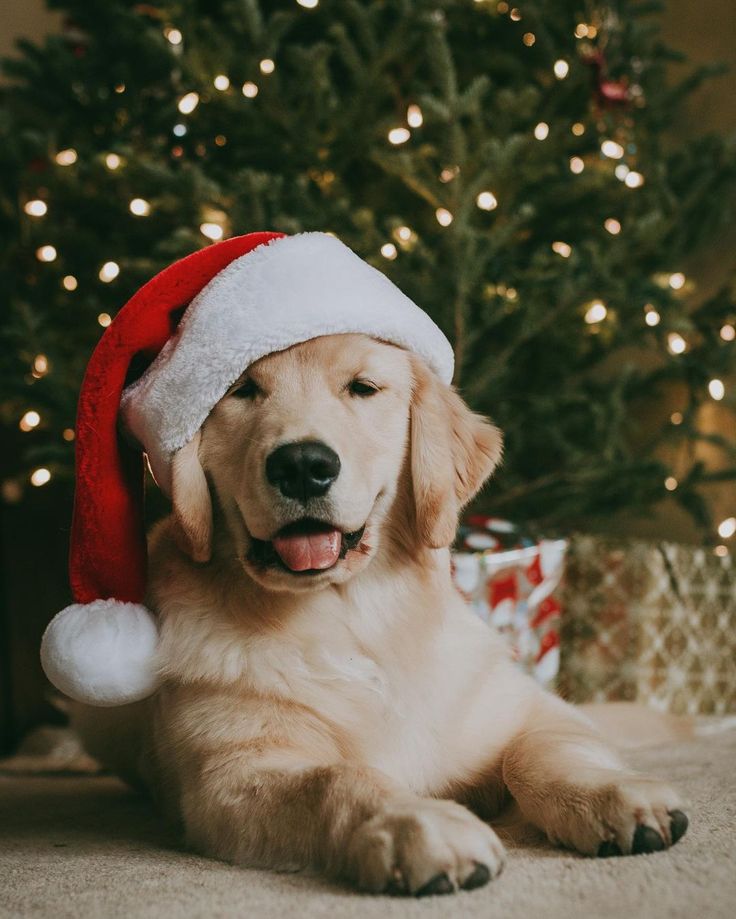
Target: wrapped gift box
654	623
511	582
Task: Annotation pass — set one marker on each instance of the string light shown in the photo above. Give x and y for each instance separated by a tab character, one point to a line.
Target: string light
515	15
40	366
613	226
46	254
529	38
267	65
727	528
576	165
250	90
68	434
40	476
69	282
581	30
444	217
677	280
308	4
621	171
404	235
179	130
578	129
449	173
487	201
389	251
212	231
29	421
173	36
676	418
634	179
221	82
109	271
728	332
670	483
541	131
104	319
112	161
561	69
676	343
596	312
716	389
188	103
651	316
502	7
612	150
120	88
140	207
561	248
414	116
35	208
398	136
220	140
66	157
721	551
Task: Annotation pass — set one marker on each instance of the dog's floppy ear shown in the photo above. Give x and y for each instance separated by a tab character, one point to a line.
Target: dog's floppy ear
453	451
190	496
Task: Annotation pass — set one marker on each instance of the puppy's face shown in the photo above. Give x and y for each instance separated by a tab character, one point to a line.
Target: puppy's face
307	451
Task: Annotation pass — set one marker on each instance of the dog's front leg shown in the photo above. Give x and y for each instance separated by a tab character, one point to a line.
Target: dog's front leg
349	821
568	782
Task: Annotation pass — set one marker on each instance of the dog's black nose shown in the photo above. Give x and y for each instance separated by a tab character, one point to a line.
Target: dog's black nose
303	470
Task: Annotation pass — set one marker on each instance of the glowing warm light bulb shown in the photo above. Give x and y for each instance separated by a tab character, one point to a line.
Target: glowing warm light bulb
40	365
444	217
449	173
221	82
35	208
46	253
633	179
69	282
581	30
389	251
104	319
515	15
140	207
188	103
613	226
267	65
721	551
561	248
173	36
578	129
716	389
29	421
109	271
676	343
541	131
414	116
486	201
179	130
66	157
40	476
529	38
651	316
308	4
596	312
728	332
68	434
676	418
727	528
670	483
576	165
621	171
212	231
250	90
399	135
612	150
561	69
677	280
112	161
403	233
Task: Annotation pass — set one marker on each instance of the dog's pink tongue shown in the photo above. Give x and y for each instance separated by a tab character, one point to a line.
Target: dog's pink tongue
302	551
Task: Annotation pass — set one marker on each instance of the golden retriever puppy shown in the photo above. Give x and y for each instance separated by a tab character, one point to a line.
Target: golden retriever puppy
328	700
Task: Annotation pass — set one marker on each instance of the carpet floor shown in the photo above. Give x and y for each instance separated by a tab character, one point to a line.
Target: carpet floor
85	846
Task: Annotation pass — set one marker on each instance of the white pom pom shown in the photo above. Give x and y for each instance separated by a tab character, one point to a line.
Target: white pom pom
102	653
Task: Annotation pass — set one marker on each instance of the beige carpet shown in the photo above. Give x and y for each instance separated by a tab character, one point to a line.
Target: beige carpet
87	847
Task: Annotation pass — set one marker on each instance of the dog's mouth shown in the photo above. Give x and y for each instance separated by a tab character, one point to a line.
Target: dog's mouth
305	547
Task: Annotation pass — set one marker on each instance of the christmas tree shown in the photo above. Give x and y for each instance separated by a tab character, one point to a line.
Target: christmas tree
509	168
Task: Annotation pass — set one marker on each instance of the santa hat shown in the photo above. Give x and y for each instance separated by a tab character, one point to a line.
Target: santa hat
196	327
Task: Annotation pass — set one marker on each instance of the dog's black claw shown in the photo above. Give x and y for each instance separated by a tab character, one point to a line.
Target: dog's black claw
477	878
646	839
678	825
439	884
608	849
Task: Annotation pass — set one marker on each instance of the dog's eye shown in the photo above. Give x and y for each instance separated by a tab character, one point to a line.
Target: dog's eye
362	388
246	390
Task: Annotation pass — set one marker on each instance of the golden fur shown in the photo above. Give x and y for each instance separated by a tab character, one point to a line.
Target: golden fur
327	721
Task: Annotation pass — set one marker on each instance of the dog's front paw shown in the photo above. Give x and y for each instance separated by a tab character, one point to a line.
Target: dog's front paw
424	848
631	815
